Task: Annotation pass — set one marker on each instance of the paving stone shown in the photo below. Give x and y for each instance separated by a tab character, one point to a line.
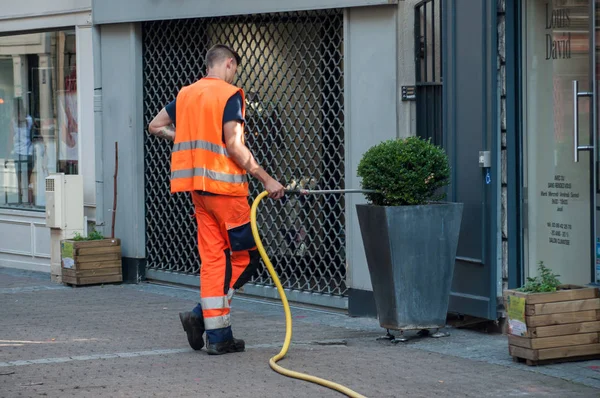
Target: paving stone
127	341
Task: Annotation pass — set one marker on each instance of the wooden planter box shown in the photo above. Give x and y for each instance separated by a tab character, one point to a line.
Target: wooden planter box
554	327
91	262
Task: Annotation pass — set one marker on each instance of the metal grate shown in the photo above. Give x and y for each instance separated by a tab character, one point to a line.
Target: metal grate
428	48
292	73
49	184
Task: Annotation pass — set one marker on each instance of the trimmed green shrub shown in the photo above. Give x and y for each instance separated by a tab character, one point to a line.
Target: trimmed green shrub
405	172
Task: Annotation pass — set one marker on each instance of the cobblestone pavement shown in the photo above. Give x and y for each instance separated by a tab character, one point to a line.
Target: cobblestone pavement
126	341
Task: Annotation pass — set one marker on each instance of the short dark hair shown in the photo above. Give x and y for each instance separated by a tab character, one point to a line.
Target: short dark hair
219	53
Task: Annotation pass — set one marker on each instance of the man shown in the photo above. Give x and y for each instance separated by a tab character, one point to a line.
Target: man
210	160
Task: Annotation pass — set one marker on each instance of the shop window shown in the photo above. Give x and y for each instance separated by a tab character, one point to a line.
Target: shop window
38	115
557	205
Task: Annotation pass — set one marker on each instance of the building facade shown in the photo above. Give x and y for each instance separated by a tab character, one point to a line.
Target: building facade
490	81
46	119
310	72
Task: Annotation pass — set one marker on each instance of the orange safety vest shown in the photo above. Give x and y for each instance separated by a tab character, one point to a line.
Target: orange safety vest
199	160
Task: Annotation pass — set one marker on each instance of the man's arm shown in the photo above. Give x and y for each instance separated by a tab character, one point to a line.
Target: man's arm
234	132
161	126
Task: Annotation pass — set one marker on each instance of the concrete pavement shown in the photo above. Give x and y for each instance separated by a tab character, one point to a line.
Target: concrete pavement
126	341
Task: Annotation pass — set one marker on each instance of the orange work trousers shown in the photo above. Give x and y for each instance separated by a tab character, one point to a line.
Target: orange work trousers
228	255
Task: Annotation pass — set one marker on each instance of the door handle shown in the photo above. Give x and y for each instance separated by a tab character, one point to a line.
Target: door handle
576	146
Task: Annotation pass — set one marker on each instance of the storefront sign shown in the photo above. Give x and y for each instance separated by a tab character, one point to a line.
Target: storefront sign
558	193
558	45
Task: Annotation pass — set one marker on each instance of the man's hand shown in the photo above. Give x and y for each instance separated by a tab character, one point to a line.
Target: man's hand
275	189
234	132
161	126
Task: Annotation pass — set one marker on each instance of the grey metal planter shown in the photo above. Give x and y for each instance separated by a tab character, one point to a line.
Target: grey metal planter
410	254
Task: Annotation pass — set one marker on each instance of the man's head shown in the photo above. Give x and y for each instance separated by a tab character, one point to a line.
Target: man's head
222	61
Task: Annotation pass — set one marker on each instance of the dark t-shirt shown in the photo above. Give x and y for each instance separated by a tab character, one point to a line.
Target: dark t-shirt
233	111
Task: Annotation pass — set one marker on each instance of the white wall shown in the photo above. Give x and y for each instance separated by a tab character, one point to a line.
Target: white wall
407	124
25	240
85	105
14	9
122	120
379	60
21	15
371	109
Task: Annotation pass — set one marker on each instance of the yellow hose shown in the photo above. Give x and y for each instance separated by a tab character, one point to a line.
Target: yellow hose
288	317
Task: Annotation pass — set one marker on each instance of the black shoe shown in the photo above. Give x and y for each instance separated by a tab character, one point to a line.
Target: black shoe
225	347
194	327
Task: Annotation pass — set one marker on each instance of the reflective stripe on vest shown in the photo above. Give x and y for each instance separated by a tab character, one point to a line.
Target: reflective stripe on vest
200	144
213	175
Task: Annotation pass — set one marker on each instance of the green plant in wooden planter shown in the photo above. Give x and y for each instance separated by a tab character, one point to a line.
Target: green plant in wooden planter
549	322
545	282
91	259
94	235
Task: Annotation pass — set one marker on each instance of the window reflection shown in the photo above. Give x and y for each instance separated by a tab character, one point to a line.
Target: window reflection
38	114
